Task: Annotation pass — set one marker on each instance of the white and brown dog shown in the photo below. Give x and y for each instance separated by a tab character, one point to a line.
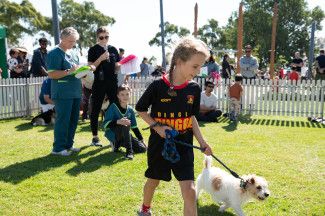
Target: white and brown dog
225	189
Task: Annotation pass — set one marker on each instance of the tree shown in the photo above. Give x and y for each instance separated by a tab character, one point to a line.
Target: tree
85	18
21	19
292	29
212	34
172	33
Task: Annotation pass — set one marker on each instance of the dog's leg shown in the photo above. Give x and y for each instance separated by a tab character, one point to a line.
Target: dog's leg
223	207
198	187
238	210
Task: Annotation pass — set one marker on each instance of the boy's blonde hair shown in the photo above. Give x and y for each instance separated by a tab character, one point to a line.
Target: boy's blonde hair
184	50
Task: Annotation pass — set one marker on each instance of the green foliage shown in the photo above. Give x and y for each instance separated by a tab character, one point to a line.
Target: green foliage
211	34
21	19
172	32
288	152
294	21
85	18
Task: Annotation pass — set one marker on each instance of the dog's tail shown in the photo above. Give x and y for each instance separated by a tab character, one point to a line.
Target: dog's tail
207	162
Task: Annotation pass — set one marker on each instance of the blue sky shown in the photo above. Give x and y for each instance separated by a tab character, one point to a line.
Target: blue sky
137	21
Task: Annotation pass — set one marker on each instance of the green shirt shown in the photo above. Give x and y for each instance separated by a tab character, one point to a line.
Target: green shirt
67	87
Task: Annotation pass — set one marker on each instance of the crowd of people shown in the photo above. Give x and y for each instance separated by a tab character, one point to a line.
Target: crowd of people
175	101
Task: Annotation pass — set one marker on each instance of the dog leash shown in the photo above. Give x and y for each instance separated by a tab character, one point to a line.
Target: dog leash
171	134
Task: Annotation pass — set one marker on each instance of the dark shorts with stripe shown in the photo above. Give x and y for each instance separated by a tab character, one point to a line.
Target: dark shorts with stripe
161	169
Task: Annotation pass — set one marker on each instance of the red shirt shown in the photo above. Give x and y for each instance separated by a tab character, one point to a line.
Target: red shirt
294	76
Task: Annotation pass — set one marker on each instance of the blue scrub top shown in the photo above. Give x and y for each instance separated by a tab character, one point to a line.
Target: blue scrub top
67	87
45	90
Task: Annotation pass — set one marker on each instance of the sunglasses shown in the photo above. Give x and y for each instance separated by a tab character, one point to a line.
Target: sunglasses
103	37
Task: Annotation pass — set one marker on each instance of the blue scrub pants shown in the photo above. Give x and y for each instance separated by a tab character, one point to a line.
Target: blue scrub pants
67	116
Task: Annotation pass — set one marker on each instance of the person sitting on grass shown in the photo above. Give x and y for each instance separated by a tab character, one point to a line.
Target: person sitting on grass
45	96
119	118
208	105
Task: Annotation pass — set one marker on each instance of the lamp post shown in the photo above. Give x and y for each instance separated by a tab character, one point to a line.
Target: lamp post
55	22
162	30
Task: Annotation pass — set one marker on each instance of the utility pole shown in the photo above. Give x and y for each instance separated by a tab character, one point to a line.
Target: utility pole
311	50
162	30
55	22
274	23
240	35
195	19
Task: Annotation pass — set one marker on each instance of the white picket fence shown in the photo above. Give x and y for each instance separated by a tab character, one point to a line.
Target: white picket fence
276	97
19	97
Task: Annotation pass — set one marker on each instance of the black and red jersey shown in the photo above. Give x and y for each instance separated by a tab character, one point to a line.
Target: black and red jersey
174	111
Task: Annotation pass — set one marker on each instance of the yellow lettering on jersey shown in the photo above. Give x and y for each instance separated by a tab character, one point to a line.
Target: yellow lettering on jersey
178	124
165	100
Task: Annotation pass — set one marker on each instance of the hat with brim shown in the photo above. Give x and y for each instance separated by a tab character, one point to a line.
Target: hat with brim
22	49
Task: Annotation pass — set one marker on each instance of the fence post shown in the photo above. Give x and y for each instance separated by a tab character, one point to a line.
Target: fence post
28	111
322	95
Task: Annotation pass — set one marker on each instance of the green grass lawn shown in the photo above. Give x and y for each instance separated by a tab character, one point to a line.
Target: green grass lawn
288	152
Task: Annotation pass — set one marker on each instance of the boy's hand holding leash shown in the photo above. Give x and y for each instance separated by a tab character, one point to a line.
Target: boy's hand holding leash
206	147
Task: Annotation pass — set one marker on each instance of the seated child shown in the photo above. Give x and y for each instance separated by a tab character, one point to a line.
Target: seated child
235	93
119	119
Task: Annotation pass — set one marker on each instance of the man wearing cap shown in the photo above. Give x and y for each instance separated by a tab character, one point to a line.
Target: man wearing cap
248	64
39	59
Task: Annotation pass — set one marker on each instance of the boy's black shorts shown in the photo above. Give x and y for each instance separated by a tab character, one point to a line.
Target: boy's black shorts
161	169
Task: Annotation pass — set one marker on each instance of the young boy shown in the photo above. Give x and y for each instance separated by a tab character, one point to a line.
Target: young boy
119	118
235	93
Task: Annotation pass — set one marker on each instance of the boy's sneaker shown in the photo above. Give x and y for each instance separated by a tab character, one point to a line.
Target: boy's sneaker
74	149
95	142
61	153
141	213
129	156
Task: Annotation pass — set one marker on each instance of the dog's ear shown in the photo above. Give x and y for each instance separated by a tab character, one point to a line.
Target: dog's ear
251	180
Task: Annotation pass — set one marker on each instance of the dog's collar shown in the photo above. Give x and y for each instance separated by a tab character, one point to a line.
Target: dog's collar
243	184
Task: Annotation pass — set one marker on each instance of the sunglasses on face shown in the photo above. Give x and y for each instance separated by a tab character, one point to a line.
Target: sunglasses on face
103	37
